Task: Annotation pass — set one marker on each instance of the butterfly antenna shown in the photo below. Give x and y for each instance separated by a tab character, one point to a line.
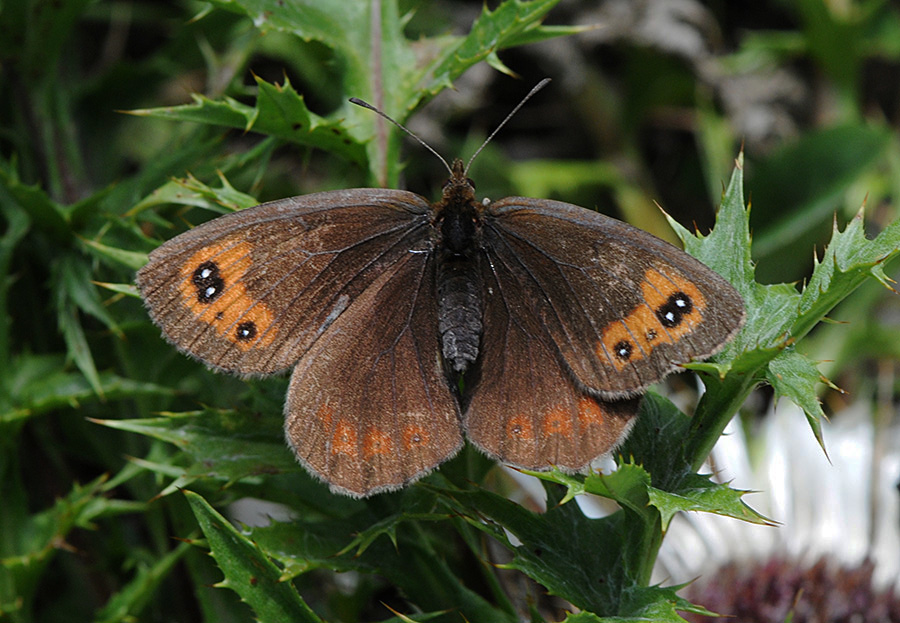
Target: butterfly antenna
540	85
364	104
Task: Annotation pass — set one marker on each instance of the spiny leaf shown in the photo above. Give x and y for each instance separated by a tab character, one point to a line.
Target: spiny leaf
132	260
280	111
511	23
697	492
652	604
39	538
770	308
138	592
849	259
248	571
573	556
43	212
228	445
379	65
628	485
792	375
40	383
777	315
412	561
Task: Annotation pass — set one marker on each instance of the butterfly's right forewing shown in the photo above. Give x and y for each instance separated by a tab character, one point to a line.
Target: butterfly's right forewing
624	308
525	408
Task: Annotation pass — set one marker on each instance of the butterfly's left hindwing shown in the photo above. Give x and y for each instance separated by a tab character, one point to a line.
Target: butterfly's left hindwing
369	407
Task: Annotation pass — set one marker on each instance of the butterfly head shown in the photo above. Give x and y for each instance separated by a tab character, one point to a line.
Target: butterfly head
459	189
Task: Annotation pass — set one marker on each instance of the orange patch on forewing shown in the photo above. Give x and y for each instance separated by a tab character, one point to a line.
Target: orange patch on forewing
641	331
520	427
414	436
234	306
556	422
376	442
344	440
589	412
657	288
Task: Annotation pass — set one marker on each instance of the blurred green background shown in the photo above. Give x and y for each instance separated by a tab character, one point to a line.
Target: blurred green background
650	103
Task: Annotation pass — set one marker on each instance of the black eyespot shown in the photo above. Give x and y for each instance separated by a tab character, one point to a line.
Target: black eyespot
673	311
208	282
623	350
246	331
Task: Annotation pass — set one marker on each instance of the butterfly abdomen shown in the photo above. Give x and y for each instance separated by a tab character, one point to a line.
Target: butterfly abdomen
459	310
458	229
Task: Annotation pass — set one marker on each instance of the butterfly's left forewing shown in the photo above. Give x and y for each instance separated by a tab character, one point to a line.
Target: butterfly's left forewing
250	292
622	307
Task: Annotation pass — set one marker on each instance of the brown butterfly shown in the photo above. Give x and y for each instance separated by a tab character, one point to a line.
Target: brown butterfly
558	316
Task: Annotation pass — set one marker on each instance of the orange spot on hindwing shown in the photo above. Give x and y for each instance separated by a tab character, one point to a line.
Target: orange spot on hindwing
556	422
376	442
589	412
344	440
520	427
325	415
212	288
414	436
671	307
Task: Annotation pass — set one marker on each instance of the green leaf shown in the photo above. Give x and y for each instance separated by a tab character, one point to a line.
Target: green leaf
848	260
770	308
657	441
44	213
771	311
132	260
574	557
77	344
650	604
379	65
697	492
512	23
794	376
37	539
39	384
280	112
413	559
192	192
777	315
225	445
627	485
248	571
76	277
128	289
134	597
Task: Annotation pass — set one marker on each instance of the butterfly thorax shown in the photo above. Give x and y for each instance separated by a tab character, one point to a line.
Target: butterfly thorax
458	224
458	213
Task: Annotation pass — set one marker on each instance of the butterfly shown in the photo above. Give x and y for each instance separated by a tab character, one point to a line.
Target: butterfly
557	318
